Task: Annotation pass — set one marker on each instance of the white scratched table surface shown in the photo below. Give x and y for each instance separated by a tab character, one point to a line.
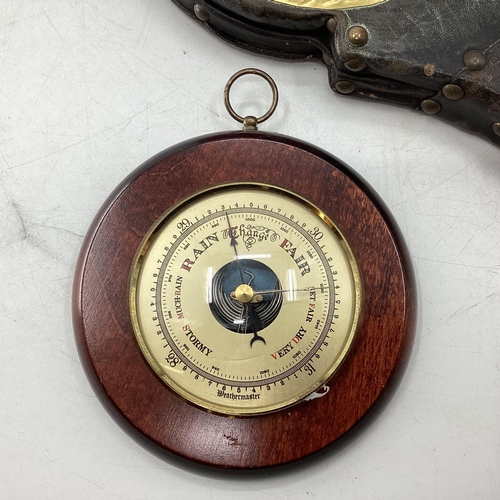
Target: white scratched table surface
89	89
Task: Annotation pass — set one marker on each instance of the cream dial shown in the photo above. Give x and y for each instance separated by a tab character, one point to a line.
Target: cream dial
245	299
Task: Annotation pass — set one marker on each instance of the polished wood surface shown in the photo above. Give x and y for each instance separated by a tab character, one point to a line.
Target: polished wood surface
123	380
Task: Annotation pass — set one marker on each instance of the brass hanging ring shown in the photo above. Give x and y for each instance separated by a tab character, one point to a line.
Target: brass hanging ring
249	120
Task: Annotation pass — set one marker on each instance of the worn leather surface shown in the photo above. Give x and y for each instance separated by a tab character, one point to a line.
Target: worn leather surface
414	49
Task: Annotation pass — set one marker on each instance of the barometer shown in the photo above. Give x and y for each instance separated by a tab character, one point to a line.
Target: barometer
242	299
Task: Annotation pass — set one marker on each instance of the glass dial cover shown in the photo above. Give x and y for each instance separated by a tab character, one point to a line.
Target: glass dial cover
245	299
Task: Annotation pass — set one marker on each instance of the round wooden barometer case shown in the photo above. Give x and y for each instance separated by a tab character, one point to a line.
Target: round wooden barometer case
243	299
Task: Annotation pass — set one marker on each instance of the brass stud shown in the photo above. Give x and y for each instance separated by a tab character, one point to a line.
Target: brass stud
328	60
430	107
429	69
453	92
475	60
355	65
345	87
357	36
331	25
496	128
201	13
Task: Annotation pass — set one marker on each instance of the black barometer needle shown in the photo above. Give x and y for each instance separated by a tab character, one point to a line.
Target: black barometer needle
251	314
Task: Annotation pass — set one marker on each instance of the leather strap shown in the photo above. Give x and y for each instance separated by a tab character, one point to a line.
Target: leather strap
435	56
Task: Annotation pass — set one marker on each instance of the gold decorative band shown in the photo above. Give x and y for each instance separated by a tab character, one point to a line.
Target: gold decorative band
330	4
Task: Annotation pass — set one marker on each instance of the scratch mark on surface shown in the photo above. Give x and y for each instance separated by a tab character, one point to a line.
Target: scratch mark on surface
52	24
63	229
91	482
459	264
473	306
5	160
232	440
125	122
24	230
73	358
26	234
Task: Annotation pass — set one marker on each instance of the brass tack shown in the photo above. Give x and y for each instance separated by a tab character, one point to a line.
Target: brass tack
429	69
355	65
453	92
331	25
357	36
430	106
327	59
345	87
496	128
475	60
201	12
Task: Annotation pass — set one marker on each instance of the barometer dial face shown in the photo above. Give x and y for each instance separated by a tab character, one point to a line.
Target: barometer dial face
242	300
245	299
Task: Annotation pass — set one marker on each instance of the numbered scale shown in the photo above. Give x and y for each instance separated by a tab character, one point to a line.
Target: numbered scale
245	299
242	299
